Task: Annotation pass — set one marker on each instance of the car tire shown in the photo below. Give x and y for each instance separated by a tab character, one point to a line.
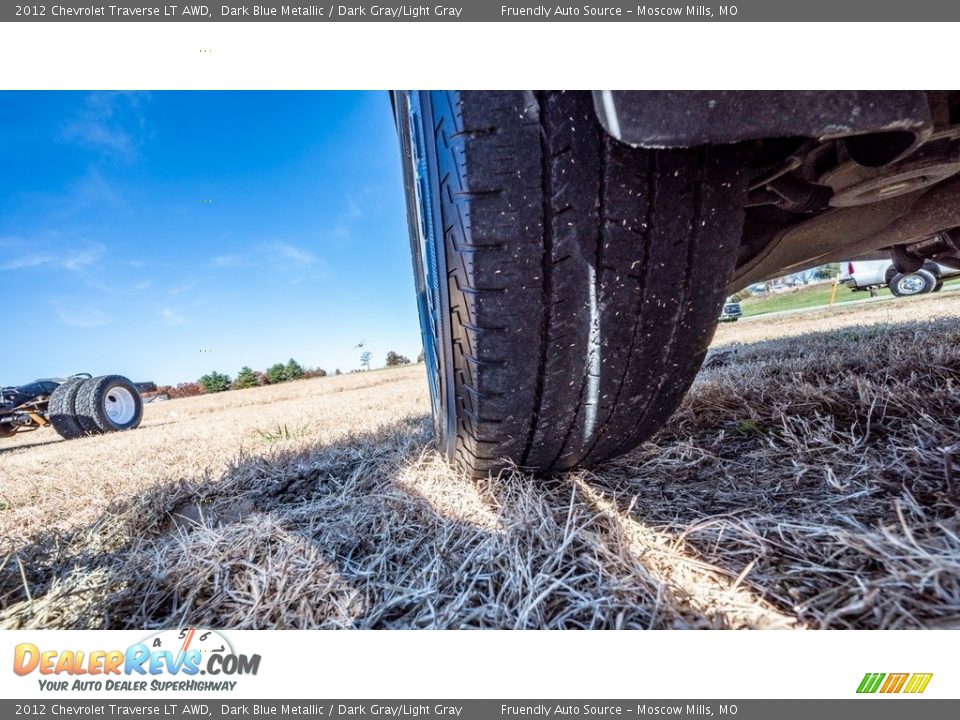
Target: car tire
915	283
109	403
939	286
61	410
568	284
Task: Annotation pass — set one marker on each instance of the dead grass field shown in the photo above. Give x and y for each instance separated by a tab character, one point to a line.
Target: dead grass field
800	485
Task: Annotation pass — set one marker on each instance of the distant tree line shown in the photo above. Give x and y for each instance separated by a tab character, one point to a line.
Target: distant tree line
246	377
214	382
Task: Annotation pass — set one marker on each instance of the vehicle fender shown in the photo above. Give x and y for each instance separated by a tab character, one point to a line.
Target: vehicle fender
670	119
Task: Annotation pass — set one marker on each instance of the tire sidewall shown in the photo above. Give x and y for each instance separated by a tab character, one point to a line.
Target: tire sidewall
927	280
91	404
421	183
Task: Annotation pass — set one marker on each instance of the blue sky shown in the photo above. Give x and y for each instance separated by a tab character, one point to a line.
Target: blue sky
163	235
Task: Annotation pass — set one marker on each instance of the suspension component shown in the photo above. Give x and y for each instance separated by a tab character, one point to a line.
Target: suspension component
941	248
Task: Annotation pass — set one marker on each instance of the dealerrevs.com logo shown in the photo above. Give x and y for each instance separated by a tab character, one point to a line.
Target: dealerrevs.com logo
169	660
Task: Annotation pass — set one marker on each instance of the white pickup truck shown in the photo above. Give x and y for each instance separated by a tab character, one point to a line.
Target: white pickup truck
874	274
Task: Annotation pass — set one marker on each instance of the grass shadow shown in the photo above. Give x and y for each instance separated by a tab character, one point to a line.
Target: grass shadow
373	532
797	486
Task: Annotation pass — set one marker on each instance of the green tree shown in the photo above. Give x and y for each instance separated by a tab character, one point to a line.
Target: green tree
365	359
395	359
215	382
420	357
246	378
294	370
827	272
276	373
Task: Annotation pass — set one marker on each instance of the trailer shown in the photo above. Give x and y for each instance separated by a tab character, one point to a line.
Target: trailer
74	406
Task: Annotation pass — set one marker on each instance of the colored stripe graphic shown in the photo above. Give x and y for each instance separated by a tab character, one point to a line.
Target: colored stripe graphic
870	683
894	683
918	682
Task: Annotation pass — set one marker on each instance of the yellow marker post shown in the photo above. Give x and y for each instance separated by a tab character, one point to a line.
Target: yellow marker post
833	293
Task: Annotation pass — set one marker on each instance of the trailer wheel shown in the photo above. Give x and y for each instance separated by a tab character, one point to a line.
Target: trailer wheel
109	403
62	410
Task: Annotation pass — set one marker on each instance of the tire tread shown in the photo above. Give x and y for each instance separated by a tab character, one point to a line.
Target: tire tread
585	277
61	410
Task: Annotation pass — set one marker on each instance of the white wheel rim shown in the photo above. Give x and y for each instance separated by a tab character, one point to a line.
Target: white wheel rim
120	405
910	284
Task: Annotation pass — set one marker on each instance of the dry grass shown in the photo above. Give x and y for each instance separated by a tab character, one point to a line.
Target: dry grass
801	484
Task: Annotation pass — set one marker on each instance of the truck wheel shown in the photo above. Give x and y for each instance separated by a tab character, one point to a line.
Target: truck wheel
108	403
915	283
62	410
568	284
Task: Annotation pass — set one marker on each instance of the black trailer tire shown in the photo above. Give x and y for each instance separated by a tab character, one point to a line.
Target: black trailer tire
62	412
568	284
108	404
915	283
